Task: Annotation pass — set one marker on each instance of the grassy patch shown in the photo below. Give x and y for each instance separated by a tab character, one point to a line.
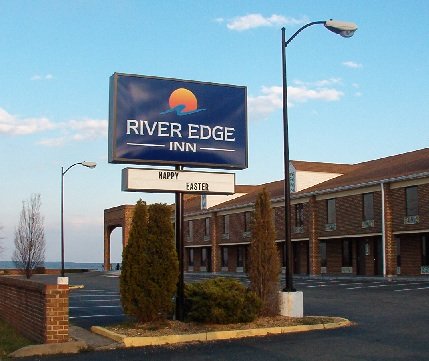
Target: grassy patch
10	340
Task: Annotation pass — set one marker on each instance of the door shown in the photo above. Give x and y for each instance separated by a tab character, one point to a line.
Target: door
378	257
360	260
296	257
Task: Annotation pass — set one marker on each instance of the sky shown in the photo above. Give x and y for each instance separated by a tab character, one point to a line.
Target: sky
350	100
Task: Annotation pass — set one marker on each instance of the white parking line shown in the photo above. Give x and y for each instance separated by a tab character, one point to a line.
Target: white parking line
404	289
109	300
91	316
82	307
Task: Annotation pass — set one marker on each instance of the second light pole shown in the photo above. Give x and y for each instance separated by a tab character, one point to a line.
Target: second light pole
346	30
63	173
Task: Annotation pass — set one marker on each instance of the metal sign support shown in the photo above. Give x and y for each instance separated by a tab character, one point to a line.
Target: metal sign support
180	294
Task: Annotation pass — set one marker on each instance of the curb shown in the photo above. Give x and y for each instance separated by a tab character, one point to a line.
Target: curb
214	335
71	347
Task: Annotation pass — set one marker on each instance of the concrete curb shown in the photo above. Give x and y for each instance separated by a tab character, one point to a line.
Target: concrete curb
214	335
71	347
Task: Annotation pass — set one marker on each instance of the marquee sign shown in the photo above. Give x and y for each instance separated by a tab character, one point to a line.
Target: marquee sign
166	180
176	122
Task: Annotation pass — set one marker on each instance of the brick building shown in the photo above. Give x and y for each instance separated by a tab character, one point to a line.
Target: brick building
369	218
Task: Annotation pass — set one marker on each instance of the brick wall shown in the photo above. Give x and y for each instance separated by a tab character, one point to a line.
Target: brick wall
349	216
411	254
38	311
399	209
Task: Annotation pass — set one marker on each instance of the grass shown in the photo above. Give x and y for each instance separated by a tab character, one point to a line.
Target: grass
10	340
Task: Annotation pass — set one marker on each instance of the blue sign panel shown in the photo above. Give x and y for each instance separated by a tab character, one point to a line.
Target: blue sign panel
176	122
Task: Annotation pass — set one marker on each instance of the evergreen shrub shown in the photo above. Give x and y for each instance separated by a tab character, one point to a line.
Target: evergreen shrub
220	300
149	264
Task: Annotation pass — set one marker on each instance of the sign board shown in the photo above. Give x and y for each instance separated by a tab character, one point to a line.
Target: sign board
177	122
166	180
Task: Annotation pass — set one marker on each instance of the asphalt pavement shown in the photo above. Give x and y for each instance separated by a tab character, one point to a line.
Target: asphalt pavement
391	319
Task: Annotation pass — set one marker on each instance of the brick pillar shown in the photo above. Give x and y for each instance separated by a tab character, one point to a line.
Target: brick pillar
388	232
107	232
57	313
313	247
215	253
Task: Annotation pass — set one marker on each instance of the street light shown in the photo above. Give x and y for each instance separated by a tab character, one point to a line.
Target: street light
345	29
90	165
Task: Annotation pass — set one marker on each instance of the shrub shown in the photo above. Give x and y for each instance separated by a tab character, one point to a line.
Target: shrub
264	261
149	266
220	300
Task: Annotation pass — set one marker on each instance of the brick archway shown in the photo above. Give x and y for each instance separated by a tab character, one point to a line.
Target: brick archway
120	216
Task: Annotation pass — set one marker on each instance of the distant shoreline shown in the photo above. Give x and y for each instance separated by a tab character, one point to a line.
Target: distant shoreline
57	265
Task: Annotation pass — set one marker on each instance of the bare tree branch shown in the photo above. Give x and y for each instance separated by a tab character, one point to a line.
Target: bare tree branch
30	237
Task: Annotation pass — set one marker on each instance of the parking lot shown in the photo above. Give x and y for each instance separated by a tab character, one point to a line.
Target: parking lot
390	321
98	303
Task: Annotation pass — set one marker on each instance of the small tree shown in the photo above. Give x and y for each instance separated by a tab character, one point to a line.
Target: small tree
264	261
150	266
30	237
131	274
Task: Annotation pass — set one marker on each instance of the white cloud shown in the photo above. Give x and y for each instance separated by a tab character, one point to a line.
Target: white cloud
42	77
250	21
352	64
271	98
319	83
78	131
14	125
69	131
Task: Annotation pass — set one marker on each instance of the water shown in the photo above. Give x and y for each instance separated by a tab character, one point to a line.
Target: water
57	265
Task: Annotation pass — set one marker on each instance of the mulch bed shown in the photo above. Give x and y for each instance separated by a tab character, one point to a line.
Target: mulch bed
166	328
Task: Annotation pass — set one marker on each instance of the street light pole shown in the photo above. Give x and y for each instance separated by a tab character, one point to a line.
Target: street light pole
90	165
345	29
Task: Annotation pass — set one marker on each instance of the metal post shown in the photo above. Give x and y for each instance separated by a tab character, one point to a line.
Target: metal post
180	295
288	244
62	222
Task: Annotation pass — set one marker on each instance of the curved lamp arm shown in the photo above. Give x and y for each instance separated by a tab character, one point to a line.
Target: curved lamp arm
343	28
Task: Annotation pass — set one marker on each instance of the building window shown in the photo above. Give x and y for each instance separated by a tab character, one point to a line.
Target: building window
206	228
368	206
331	215
247	221
240	256
224	258
347	253
323	258
226	224
331	211
190	257
412	204
190	230
368	210
203	257
425	251
299	215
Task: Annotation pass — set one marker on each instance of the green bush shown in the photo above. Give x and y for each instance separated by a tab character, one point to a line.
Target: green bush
149	264
220	300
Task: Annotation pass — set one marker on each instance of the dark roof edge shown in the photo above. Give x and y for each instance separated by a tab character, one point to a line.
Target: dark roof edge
320	192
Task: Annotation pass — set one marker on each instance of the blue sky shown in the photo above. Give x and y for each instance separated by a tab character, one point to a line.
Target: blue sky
351	100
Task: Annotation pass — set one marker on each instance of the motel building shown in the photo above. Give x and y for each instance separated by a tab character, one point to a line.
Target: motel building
365	219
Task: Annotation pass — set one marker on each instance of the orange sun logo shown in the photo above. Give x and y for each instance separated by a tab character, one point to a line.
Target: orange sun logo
183	102
184	97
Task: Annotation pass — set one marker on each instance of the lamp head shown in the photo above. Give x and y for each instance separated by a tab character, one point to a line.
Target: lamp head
89	164
343	28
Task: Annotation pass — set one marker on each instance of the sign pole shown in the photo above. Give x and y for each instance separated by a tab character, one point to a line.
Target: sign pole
180	294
